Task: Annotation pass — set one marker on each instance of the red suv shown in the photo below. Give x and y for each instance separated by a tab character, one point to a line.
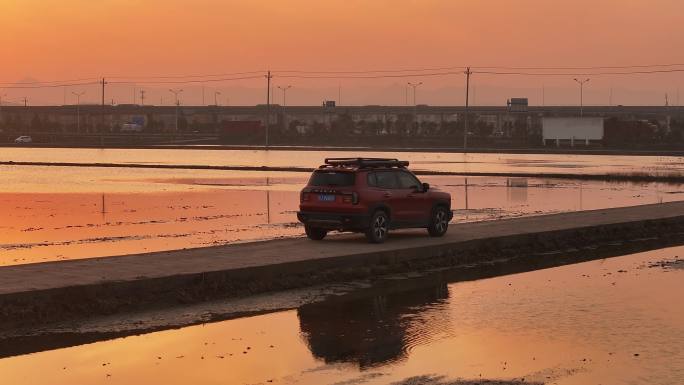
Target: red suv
370	195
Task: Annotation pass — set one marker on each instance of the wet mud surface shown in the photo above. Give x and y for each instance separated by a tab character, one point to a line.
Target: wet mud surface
63	215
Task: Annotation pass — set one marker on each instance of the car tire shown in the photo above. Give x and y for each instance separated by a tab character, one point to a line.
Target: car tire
378	228
439	222
315	233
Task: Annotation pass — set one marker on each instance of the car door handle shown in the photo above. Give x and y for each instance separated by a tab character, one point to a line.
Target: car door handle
387	194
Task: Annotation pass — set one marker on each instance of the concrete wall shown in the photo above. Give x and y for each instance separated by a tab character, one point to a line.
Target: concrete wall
572	128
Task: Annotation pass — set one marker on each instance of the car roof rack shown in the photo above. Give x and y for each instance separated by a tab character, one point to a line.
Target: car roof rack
364	162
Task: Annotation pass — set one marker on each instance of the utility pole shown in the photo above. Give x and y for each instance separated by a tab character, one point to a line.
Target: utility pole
78	109
25	99
216	93
103	102
610	97
142	97
176	92
268	103
581	83
465	121
284	89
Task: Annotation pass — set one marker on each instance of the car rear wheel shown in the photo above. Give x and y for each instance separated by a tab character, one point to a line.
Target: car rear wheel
439	222
379	227
315	233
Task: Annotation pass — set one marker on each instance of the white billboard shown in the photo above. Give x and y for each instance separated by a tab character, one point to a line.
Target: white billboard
572	128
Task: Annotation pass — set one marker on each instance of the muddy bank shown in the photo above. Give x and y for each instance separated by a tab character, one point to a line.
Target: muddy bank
397	281
144	290
627	177
642	151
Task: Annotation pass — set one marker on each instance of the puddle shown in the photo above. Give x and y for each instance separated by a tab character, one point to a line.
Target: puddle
611	321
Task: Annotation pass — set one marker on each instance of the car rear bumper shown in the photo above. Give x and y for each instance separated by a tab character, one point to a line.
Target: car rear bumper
334	221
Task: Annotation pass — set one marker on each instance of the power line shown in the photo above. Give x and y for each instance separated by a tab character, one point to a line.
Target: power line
373	71
365	74
48	85
673	70
583	68
187	76
370	76
185	81
38	82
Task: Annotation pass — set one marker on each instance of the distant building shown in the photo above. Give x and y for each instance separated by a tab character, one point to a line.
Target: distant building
517	104
569	131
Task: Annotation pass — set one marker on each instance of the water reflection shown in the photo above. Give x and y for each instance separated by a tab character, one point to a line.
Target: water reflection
103	213
516	189
613	321
375	329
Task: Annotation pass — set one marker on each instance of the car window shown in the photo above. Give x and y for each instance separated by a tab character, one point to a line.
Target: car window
372	179
386	179
408	181
332	178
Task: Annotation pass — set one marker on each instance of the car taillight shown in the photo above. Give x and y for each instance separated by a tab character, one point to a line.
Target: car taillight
304	196
352	198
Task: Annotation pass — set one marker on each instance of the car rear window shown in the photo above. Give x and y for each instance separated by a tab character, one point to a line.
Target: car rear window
332	178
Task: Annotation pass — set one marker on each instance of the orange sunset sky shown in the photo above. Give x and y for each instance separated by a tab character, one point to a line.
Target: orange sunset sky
49	40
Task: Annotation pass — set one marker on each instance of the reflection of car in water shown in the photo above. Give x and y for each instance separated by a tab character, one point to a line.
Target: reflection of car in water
23	139
373	329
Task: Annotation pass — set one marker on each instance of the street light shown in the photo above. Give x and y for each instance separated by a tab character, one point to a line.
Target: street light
216	94
78	109
414	85
284	89
581	83
176	92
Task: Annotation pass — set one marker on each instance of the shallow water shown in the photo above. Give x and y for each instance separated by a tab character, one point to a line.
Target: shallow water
612	321
57	213
453	162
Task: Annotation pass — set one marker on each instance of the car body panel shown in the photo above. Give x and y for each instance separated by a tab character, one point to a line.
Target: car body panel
378	188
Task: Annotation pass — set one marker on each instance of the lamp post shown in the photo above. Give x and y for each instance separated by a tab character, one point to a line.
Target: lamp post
216	94
78	109
176	92
581	83
414	85
284	89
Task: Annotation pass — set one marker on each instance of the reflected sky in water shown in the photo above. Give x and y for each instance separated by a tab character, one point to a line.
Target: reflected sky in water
611	321
53	213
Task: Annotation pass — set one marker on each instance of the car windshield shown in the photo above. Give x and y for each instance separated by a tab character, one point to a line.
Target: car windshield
332	178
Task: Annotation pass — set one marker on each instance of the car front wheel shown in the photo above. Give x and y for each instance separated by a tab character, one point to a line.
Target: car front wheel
379	227
439	222
315	233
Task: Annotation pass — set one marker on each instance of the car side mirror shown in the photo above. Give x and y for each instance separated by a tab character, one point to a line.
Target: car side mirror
426	187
